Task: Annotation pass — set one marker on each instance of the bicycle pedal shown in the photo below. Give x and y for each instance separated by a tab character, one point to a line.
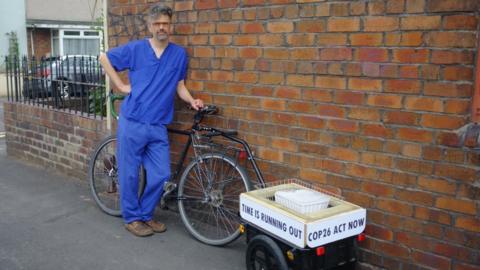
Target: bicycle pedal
168	187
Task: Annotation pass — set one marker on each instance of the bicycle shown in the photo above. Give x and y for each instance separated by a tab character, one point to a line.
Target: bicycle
208	189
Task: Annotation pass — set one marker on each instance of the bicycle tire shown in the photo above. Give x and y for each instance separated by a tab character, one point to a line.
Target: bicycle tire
264	253
103	174
210	213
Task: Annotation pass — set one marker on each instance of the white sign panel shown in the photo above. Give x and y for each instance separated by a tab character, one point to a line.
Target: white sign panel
271	221
338	227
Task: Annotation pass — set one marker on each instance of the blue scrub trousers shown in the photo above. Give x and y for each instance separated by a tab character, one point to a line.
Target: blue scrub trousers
146	144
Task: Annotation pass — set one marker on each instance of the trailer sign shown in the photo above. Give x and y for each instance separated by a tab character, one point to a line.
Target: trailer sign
338	227
280	225
297	231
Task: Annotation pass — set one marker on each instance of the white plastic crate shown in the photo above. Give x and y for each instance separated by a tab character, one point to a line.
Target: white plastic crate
303	201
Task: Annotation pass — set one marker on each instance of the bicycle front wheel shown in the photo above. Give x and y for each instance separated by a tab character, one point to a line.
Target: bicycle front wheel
103	172
208	198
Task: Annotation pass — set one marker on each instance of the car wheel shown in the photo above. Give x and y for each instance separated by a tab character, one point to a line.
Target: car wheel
62	89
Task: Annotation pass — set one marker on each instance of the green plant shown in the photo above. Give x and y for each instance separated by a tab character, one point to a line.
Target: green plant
97	101
13	50
97	25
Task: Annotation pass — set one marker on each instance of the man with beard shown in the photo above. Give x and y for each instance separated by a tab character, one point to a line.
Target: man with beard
157	70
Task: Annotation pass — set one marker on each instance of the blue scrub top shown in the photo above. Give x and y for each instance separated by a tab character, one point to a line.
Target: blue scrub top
153	80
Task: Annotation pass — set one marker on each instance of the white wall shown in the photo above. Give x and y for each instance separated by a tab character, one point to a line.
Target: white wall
12	18
64	10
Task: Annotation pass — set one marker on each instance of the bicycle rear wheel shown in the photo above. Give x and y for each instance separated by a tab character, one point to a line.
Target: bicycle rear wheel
103	172
208	193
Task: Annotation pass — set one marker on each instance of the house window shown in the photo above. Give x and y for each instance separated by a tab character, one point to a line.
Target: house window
74	42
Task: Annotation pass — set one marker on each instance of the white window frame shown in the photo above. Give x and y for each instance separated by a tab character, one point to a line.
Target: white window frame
62	36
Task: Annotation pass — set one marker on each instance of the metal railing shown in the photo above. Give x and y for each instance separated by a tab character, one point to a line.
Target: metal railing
69	83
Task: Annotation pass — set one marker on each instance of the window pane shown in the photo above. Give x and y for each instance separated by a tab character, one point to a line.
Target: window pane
92	46
73	46
90	33
55	46
71	33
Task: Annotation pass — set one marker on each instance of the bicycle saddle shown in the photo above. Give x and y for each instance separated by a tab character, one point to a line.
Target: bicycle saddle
209	109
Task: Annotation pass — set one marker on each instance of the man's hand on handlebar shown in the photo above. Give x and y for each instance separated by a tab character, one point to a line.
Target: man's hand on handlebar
196	104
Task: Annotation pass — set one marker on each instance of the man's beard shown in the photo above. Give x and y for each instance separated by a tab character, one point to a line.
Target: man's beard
161	36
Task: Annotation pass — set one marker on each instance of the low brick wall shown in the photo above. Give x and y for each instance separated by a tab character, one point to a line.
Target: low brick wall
58	141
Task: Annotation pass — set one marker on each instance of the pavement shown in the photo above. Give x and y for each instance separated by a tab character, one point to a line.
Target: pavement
3	84
2	127
50	221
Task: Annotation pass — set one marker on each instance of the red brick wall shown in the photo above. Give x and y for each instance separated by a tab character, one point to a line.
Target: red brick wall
57	141
368	97
42	43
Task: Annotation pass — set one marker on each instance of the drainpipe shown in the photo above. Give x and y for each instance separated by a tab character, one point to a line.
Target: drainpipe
107	81
476	94
32	45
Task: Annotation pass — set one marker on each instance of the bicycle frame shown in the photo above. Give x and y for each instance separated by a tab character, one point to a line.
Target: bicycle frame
213	132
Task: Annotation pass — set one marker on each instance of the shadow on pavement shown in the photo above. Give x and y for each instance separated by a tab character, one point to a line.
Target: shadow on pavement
51	222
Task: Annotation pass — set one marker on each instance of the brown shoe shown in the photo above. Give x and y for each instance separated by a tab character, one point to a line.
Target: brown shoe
139	228
156	226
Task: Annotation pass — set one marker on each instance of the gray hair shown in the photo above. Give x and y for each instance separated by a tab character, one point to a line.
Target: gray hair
159	9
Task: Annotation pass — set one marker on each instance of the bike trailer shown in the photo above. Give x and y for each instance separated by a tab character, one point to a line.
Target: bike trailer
311	228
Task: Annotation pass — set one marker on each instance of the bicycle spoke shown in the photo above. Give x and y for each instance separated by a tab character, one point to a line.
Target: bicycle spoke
197	217
193	190
232	191
192	198
216	219
226	219
232	212
218	179
231	200
198	186
232	195
227	180
222	166
198	178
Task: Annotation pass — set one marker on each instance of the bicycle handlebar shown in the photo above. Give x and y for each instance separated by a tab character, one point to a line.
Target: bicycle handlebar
207	109
112	98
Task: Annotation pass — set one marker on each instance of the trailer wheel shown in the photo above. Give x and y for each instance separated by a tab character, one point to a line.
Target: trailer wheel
264	254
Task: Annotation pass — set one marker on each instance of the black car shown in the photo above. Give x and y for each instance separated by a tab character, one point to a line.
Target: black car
65	76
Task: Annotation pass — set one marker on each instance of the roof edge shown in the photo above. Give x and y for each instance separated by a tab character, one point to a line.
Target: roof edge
34	23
